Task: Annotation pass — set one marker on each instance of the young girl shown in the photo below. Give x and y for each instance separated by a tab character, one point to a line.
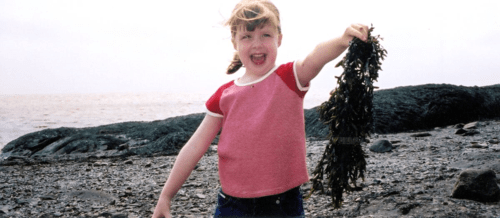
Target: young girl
262	154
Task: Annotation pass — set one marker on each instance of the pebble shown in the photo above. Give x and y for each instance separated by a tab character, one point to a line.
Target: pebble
414	180
381	146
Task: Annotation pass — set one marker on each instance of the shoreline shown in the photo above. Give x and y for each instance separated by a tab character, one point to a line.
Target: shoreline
415	179
23	114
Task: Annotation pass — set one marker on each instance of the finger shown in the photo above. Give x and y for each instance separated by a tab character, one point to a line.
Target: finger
357	31
360	31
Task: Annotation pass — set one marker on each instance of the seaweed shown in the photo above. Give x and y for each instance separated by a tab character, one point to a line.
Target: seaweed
348	113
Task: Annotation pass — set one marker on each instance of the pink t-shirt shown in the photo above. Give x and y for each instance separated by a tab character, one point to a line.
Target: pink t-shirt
262	143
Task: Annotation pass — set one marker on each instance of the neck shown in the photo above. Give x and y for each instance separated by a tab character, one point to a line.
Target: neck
250	76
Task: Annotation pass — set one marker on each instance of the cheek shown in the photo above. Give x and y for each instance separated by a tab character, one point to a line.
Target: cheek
272	46
241	46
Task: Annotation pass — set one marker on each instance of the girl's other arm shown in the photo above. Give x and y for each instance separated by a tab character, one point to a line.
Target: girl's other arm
327	51
185	162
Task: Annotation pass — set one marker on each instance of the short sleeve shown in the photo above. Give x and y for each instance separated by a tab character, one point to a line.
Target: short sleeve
288	74
212	105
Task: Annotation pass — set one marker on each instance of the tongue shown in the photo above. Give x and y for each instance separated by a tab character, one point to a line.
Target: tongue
259	59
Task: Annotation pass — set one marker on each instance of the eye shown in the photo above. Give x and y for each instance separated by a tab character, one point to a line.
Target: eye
266	35
245	37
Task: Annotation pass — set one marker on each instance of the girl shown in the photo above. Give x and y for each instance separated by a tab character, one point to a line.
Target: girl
262	157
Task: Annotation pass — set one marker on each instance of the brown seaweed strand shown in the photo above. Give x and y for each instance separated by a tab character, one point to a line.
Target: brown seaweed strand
348	113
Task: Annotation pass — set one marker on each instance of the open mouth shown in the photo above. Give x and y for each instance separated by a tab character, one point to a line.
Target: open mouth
258	59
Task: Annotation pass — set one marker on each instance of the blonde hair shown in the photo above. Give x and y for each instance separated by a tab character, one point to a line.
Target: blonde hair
251	14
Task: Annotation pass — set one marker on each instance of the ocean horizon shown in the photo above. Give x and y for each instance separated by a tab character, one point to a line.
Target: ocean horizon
27	113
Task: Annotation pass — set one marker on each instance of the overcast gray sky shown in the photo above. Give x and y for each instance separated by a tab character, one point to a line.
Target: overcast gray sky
159	46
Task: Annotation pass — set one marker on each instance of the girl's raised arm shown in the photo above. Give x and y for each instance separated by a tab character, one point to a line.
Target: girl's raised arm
327	51
185	162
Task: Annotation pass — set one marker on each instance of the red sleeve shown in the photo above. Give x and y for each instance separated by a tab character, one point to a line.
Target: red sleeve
213	105
287	73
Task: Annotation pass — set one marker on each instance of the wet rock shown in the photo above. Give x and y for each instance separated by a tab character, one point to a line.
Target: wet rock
92	195
472	125
421	134
458	126
460	131
493	141
201	196
405	208
381	146
123	147
466	132
146	138
47	197
478	185
470	133
422	107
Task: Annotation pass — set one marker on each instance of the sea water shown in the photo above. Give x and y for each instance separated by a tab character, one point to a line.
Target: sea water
22	114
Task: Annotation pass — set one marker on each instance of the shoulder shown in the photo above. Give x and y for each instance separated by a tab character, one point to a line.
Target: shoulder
288	73
212	104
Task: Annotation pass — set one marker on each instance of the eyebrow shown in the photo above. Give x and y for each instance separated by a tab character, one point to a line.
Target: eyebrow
261	26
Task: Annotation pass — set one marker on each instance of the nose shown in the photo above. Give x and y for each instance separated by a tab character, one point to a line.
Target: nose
257	42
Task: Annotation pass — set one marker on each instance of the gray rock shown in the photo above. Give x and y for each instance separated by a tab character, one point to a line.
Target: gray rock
147	138
466	132
479	185
96	196
460	131
381	146
421	134
421	107
472	125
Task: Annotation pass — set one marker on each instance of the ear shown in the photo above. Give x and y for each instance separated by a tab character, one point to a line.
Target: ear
280	37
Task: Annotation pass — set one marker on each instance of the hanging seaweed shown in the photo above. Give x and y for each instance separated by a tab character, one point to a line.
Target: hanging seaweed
348	113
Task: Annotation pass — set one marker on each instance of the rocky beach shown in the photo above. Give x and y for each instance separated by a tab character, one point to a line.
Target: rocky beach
441	159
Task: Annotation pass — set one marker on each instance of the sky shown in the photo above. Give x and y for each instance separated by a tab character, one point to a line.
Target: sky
57	47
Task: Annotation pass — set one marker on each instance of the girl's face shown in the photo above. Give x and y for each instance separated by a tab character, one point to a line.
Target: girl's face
258	49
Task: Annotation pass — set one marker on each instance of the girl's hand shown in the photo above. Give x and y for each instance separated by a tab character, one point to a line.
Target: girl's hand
162	209
359	31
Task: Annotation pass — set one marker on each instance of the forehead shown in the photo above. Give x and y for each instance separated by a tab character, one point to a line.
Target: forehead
243	28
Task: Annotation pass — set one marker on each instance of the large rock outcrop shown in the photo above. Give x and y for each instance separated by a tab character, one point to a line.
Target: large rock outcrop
400	109
410	108
164	137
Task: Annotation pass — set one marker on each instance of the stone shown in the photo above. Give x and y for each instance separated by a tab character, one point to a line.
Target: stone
460	131
119	215
422	134
123	147
406	207
47	197
466	132
459	126
472	125
471	132
92	195
4	209
493	141
381	146
479	185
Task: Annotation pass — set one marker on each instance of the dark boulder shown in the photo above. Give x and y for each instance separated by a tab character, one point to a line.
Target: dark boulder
164	137
479	185
381	146
422	107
